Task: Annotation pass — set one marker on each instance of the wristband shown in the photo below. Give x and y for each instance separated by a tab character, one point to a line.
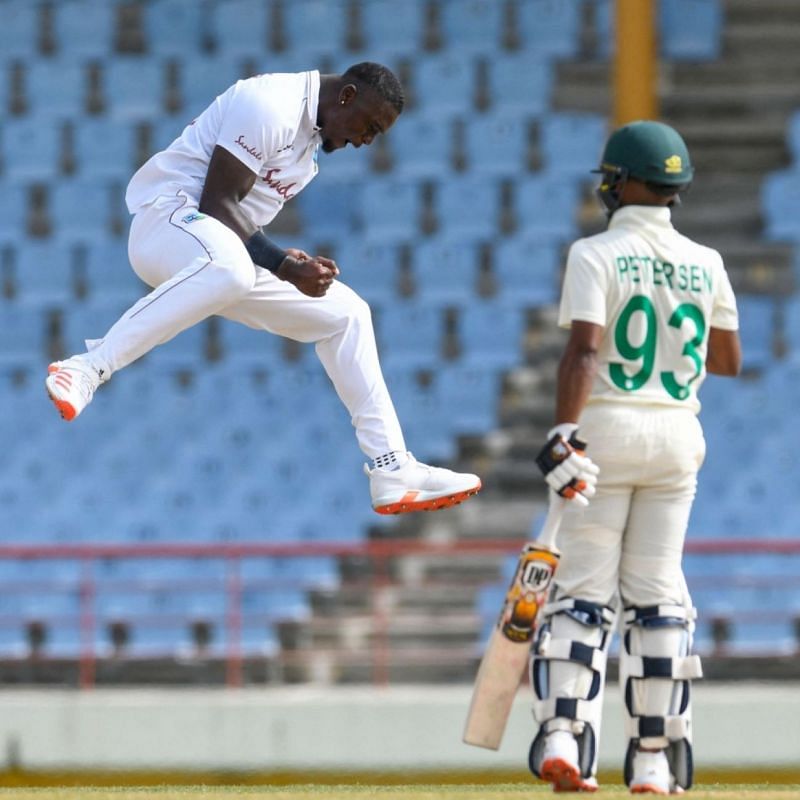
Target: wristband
264	252
565	429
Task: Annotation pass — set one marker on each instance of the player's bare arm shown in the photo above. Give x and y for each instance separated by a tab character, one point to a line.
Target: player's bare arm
228	182
577	370
724	355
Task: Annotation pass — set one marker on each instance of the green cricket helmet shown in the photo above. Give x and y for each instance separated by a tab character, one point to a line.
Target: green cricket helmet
649	151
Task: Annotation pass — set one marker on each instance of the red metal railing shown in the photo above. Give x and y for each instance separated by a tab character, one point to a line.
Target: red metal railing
379	554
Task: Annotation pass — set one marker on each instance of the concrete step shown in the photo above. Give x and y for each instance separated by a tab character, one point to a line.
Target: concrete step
744	12
745	37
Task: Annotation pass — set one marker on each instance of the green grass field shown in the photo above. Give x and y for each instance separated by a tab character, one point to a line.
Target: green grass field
505	791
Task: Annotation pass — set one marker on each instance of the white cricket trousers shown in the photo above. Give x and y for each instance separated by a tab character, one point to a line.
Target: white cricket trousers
200	267
629	541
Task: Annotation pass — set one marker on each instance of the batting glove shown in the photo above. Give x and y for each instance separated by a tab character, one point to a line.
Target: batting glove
566	469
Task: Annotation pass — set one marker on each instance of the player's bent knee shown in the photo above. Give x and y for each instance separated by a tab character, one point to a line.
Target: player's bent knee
570	652
233	281
656	669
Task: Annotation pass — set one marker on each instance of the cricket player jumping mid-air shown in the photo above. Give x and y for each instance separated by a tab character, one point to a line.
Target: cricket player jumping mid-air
196	237
649	313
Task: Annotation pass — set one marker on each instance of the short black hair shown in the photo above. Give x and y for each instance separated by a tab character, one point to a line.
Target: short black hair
379	78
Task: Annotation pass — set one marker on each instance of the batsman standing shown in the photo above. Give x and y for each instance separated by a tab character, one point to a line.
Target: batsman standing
196	237
649	313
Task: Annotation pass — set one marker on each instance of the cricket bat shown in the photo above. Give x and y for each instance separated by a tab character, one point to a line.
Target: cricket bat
506	657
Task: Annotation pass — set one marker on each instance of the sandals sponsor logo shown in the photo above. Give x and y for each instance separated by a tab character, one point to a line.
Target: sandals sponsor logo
283	189
252	150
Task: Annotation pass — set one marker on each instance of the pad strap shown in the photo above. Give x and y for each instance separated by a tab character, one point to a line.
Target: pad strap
673	728
648	613
564	707
606	614
568	650
678	668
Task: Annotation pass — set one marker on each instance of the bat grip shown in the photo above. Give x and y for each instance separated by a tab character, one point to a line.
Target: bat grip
555	511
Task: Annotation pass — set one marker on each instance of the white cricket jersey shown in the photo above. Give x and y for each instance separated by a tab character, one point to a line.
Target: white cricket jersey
656	293
268	122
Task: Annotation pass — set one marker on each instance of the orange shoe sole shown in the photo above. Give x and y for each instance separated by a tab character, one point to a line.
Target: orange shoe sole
408	504
647	788
64	408
564	776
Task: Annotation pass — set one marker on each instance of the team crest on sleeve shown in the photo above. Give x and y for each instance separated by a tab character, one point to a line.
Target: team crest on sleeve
194	215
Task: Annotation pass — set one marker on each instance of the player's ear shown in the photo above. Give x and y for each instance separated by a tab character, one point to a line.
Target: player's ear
347	94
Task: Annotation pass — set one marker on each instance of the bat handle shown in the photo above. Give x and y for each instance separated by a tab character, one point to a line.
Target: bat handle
555	511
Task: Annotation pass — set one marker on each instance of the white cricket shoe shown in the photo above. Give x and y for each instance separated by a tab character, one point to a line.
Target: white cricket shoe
418	487
71	385
560	764
650	773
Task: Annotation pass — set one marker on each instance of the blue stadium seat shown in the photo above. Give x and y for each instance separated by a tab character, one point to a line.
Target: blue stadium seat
329	208
134	88
389	26
44	274
315	26
549	28
700	41
347	163
468	206
780	192
546	207
445	83
56	88
241	27
526	270
498	145
491	334
371	269
85	28
247	346
82	209
481	384
390	209
410	334
446	272
105	148
19	33
422	146
572	142
13	209
756	329
520	82
28	343
31	150
173	27
109	277
474	26
201	79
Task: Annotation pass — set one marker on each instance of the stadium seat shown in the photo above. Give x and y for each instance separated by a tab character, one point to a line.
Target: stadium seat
700	41
780	191
474	26
498	145
330	208
14	203
572	142
520	82
173	27
108	276
44	275
421	145
444	83
371	269
491	334
410	335
389	26
241	27
134	88
19	33
546	206
105	149
480	383
84	209
246	346
200	80
56	88
468	206
315	26
31	150
549	28
756	330
85	28
526	271
390	210
29	343
446	272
